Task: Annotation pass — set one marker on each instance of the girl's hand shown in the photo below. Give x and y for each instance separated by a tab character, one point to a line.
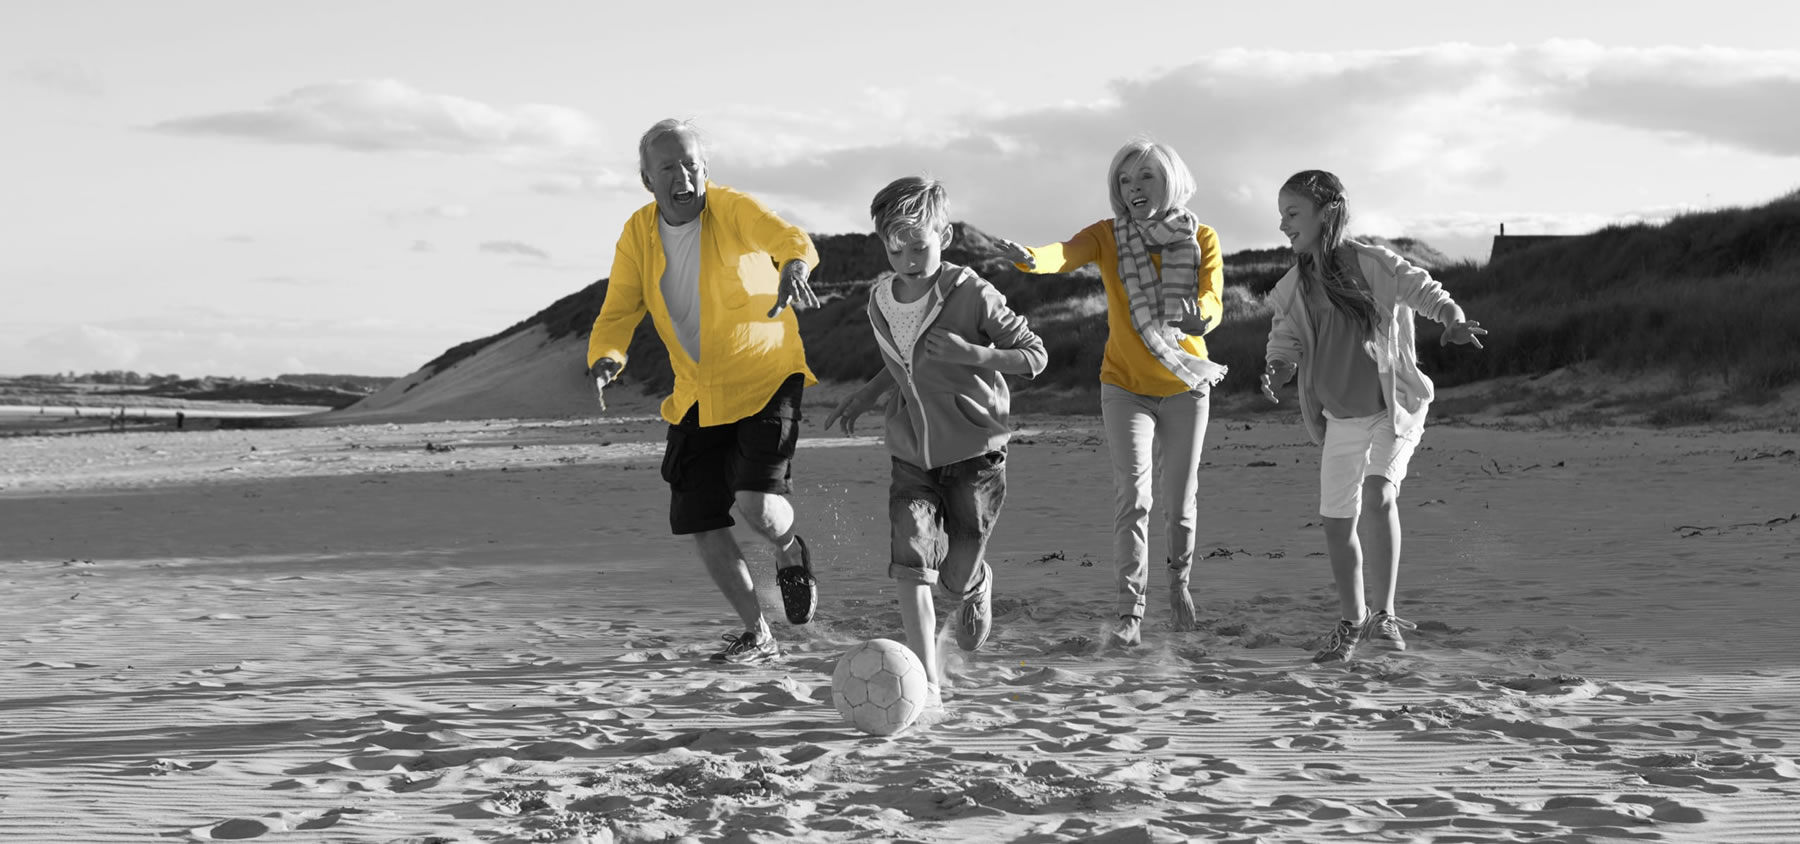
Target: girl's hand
1275	374
1015	253
1190	321
1468	331
948	346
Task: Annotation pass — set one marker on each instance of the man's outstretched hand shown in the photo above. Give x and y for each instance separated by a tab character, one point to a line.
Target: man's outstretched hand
604	371
795	290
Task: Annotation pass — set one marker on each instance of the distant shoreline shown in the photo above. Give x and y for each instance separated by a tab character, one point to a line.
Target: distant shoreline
157	412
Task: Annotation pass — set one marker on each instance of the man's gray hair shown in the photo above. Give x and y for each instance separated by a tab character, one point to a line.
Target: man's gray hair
666	126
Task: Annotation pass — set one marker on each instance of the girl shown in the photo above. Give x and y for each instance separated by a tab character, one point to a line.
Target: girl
1163	275
1344	319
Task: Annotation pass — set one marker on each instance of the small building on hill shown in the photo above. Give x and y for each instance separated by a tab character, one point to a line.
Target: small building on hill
1506	244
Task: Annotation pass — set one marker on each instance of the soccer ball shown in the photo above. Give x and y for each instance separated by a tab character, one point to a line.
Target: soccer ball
879	687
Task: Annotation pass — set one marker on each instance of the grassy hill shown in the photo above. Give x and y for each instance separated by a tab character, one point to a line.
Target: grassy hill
1709	294
1706	295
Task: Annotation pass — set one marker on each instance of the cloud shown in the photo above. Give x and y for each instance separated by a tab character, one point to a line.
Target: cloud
433	213
63	77
81	348
423	246
1451	120
513	247
387	115
239	239
199	341
1740	98
287	281
588	183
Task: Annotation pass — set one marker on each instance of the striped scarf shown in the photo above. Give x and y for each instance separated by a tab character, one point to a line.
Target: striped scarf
1157	297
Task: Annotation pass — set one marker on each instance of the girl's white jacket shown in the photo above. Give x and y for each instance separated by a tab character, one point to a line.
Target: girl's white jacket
1400	290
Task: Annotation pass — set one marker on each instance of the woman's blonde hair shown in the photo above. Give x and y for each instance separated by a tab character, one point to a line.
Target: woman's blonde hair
1178	181
1322	266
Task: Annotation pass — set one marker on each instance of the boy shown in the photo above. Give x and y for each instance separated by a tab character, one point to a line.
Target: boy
946	338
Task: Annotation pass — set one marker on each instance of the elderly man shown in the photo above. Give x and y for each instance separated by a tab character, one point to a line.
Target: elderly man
702	261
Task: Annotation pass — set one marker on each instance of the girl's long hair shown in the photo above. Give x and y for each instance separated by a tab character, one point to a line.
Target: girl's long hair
1322	266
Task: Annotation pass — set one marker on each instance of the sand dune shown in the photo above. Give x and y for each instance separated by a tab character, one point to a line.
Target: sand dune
522	375
478	631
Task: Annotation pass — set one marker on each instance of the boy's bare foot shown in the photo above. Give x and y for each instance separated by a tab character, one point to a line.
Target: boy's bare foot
1181	606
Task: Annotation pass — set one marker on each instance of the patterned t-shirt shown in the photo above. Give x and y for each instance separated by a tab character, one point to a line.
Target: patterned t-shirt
906	319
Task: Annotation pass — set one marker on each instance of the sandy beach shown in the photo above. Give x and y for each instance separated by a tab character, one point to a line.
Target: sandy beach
481	631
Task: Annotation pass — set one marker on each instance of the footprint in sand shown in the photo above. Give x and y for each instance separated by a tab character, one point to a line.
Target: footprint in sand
237	829
162	767
1303	742
1324	772
1313	808
1706	771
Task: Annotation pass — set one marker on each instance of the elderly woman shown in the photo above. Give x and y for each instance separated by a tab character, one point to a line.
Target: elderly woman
1163	275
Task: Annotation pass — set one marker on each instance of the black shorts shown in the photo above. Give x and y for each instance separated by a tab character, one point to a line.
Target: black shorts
707	466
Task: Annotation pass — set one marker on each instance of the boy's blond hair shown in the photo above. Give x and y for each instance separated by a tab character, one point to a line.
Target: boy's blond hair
910	204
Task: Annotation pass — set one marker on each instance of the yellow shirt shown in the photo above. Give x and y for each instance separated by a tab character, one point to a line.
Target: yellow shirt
1128	363
747	355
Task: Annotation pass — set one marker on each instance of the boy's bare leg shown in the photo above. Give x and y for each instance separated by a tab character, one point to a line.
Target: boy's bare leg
1379	530
919	616
772	518
1346	566
725	562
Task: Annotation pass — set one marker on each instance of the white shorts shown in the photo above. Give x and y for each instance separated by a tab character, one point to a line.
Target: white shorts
1358	448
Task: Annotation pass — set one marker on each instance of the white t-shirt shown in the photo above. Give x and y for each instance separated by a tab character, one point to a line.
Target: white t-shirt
681	281
906	319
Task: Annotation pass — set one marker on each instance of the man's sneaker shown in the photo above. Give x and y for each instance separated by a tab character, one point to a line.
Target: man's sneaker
799	589
1341	644
1383	629
747	649
1129	633
974	620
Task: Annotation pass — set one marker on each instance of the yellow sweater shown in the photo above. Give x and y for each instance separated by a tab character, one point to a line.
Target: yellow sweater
744	355
1128	363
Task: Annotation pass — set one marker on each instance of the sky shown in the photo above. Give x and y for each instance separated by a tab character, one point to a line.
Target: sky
211	187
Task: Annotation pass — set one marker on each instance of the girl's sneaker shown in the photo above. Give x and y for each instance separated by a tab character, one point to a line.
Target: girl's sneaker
748	649
1383	629
1341	644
